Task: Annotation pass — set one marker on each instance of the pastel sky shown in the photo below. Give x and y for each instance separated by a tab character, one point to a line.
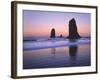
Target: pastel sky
40	23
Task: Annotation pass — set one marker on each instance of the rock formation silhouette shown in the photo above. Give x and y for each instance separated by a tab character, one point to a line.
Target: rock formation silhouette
73	32
52	33
61	36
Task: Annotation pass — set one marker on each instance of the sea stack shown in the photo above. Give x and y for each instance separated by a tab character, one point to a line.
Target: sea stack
73	32
52	33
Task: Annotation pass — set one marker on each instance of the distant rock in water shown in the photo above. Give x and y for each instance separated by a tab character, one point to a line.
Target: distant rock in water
61	36
73	32
52	34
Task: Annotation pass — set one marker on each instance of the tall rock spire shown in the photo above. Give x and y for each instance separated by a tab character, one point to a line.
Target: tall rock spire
73	32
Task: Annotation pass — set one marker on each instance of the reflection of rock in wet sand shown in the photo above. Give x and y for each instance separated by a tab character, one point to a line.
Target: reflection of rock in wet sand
73	54
53	52
73	51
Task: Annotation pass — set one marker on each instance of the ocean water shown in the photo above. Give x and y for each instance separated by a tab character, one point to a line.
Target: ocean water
57	56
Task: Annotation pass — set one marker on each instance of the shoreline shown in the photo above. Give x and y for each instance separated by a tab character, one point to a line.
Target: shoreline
34	45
